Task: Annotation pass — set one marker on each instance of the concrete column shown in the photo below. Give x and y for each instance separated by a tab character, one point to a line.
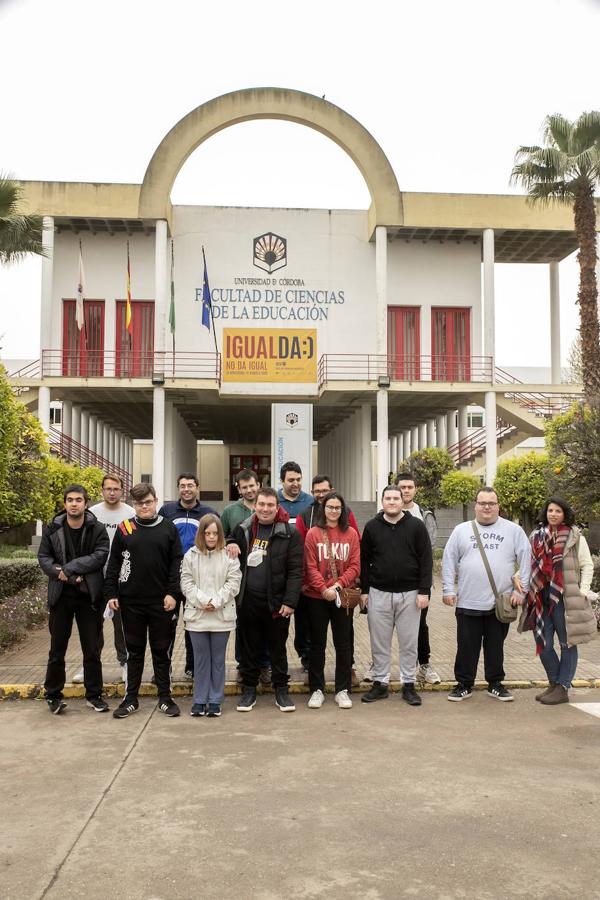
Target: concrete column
381	292
67	418
100	437
555	367
431	432
463	422
451	428
440	431
365	452
489	326
422	435
383	462
161	288
47	285
158	442
407	441
76	423
85	436
44	407
106	441
491	450
130	458
394	453
111	445
92	438
400	439
414	438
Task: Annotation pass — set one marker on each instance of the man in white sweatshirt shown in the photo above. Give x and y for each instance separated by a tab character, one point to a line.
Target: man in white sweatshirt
507	548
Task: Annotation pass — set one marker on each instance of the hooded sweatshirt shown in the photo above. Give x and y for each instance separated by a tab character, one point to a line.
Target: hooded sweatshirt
396	556
343	546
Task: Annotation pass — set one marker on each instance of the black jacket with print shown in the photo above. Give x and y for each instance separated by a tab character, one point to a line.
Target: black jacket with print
145	561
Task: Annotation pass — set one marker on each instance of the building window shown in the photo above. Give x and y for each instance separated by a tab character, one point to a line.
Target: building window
135	352
404	342
146	478
55	415
83	349
475	420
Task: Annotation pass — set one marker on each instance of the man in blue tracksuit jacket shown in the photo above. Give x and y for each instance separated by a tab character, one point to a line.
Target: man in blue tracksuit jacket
185	513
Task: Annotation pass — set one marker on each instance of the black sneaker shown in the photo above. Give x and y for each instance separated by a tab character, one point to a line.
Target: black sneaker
169	707
460	692
56	706
284	701
127	707
247	700
97	704
410	695
499	692
214	710
379	691
198	709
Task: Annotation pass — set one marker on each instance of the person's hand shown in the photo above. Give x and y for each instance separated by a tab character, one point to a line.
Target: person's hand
169	603
113	604
285	611
516	599
209	606
364	601
422	601
518	584
233	551
329	594
449	599
62	576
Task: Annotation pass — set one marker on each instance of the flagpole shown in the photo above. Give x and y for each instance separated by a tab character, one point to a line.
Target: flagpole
173	302
212	318
84	327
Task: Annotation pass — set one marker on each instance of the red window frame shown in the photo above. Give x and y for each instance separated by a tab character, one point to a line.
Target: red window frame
451	362
404	342
135	360
83	351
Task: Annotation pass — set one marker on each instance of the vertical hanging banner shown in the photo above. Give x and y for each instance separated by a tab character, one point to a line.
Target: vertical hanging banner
270	355
292	439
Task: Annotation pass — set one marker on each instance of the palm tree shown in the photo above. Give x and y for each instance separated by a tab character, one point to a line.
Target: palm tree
567	170
19	235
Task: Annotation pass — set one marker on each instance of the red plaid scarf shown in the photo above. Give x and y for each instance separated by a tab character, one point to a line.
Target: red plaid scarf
547	549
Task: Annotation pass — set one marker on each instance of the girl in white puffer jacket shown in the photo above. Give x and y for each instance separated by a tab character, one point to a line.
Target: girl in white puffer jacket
210	581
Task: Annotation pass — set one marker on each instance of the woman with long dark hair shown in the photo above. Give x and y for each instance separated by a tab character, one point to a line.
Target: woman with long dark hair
331	562
558	603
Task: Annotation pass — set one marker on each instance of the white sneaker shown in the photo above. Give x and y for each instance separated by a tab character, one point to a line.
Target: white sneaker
78	677
124	673
427	673
317	699
343	700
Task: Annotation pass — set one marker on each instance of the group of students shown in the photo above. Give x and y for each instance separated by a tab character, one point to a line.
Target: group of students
274	554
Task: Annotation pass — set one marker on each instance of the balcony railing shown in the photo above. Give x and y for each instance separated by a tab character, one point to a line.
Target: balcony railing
71	450
466	450
128	364
371	367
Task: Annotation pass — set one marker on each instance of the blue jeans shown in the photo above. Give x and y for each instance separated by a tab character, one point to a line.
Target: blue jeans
559	671
209	665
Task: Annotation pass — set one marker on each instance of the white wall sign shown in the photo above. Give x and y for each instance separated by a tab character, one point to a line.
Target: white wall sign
291	439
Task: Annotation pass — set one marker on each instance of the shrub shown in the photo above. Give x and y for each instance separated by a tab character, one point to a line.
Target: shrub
458	488
16	575
19	613
521	487
428	466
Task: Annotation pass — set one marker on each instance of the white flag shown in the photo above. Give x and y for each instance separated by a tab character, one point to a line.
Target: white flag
79	318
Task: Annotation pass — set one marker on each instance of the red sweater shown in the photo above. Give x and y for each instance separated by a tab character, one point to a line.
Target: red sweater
345	547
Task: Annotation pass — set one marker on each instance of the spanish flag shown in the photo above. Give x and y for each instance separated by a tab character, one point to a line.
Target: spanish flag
128	318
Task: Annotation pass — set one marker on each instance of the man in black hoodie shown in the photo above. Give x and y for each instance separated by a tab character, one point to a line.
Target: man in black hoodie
72	553
395	577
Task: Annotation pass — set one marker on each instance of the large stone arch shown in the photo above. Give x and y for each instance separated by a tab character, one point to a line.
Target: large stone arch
272	103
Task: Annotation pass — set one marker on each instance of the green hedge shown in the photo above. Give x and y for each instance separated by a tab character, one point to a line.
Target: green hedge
18	574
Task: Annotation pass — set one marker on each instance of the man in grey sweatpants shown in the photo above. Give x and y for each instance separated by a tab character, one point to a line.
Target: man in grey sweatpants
395	577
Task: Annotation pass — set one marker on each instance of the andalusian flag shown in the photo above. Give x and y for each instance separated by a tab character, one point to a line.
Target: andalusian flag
128	317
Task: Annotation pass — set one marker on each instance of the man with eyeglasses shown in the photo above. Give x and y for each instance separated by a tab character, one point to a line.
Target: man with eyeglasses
142	581
111	512
507	548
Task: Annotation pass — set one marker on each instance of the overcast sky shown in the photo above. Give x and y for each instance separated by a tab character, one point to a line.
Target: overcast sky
449	90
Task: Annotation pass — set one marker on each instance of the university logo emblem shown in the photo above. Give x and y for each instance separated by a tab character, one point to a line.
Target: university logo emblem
291	419
270	252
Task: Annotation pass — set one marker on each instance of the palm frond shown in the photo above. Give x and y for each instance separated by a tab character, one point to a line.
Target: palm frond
19	236
10	194
558	131
587	130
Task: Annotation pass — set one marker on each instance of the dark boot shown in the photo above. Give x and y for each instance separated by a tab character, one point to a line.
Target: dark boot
548	690
559	694
379	691
410	695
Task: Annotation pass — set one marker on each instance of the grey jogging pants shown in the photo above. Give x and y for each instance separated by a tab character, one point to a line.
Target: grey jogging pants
387	611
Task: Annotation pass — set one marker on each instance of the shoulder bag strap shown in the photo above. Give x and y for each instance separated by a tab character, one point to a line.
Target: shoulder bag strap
485	560
332	565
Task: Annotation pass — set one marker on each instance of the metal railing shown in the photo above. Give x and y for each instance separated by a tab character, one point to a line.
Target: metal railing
540	403
128	364
411	368
71	450
466	450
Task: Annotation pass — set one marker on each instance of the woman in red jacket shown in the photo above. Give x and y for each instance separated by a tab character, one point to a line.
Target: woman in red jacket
331	561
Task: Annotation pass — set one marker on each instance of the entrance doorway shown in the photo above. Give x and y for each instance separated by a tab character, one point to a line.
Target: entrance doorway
259	464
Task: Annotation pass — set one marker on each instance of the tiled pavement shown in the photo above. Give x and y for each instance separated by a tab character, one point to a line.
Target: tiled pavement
25	664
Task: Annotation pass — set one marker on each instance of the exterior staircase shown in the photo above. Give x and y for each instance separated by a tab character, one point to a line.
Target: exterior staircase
64	446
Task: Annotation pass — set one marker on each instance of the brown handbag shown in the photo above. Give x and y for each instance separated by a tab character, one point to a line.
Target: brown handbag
349	596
